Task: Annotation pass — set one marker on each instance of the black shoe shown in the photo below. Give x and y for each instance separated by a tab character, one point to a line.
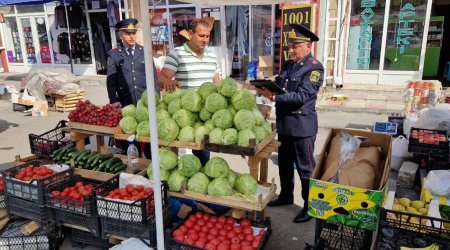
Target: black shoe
302	216
279	201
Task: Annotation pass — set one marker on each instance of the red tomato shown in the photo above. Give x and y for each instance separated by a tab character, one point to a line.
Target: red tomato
140	188
202	235
56	193
197	227
258	238
210	237
262	232
205	229
245	243
235	240
179	238
223	232
189	241
215	242
223	246
255	244
222	219
235	247
231	234
148	191
229	227
210	246
79	184
237	229
213	218
241	236
210	224
199	215
219	225
183	229
89	187
249	237
245	223
230	220
193	236
199	243
248	230
201	222
206	217
246	247
188	224
214	231
129	188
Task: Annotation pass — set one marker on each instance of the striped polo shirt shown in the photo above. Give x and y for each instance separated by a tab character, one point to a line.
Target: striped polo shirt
191	70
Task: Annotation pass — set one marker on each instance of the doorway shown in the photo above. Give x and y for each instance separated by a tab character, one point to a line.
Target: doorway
35	42
444	11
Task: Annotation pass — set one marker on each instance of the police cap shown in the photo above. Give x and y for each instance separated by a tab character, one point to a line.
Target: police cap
298	34
128	25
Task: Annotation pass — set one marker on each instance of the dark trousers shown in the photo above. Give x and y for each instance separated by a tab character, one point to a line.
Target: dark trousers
202	155
295	153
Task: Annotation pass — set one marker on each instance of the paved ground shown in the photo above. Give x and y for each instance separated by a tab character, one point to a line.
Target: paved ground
15	127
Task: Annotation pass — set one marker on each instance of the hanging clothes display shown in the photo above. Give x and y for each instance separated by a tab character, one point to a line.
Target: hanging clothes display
74	12
113	13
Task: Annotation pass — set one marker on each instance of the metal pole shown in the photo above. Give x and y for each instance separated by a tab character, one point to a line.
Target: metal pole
68	32
148	58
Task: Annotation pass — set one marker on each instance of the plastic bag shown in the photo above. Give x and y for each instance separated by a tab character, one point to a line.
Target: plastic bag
349	146
438	182
399	152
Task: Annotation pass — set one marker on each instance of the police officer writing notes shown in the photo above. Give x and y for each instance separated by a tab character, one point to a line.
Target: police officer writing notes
296	116
126	69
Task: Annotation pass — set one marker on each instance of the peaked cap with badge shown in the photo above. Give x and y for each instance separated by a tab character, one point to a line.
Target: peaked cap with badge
299	33
127	25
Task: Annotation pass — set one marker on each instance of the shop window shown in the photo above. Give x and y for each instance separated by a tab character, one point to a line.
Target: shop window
160	32
13	41
22	9
7	9
215	38
262	33
180	19
404	35
97	4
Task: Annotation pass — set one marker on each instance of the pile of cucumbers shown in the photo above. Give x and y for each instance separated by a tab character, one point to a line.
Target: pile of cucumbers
89	160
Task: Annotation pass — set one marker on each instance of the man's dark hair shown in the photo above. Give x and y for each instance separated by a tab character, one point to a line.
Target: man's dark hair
196	22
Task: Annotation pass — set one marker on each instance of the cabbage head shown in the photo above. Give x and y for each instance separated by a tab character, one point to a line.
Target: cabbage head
142	114
139	103
174	106
129	110
209	124
219	187
215	101
244	137
196	117
232	176
246	184
216	167
167	159
215	136
267	126
259	118
230	136
162	114
205	114
227	87
192	101
143	128
223	119
244	119
144	98
128	125
188	165
161	105
187	134
260	133
163	174
200	133
176	181
243	99
232	109
198	183
206	89
183	118
168	130
169	97
198	124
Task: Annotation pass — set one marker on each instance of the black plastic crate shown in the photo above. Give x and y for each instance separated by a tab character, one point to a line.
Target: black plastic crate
433	147
62	217
399	120
11	237
335	236
145	231
81	239
438	164
137	211
177	245
2	200
45	144
398	229
34	190
29	210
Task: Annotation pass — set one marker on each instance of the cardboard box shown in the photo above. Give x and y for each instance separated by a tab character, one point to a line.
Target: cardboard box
351	206
40	108
265	66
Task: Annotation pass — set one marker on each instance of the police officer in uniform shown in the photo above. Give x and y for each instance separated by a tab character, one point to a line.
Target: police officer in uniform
296	116
126	67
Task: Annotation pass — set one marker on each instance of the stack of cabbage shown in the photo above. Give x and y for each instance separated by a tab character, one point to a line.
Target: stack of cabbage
216	178
135	119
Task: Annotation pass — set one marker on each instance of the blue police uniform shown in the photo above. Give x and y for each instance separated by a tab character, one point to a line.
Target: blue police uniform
126	75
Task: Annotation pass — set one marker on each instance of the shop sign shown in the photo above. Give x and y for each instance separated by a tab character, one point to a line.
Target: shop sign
365	38
404	32
297	14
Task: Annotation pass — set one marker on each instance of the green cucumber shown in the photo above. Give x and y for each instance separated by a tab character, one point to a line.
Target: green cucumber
114	166
119	169
101	166
75	155
112	161
88	156
90	160
84	153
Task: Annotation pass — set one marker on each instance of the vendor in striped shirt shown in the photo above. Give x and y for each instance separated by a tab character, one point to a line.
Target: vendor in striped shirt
191	65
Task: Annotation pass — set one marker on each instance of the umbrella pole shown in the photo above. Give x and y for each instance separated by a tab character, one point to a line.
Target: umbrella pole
148	58
68	32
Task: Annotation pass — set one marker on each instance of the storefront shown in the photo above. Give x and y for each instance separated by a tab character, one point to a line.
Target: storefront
390	42
36	36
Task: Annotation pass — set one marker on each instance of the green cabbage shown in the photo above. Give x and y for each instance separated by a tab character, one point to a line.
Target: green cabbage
216	167
216	136
267	126
198	124
167	159
244	137
209	124
243	99
232	109
206	89
260	133
169	97
174	106
230	136
244	119
259	118
192	101
198	183
164	175
223	119
129	110
219	187
183	118
143	128
142	114
188	165
200	133
162	114
205	114
128	125
139	103
187	134
160	106
246	184
215	101
168	130
232	176
144	98
176	181
227	87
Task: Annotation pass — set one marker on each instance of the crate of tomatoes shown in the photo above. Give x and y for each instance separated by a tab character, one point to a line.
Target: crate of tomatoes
201	230
28	181
127	197
428	141
72	201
